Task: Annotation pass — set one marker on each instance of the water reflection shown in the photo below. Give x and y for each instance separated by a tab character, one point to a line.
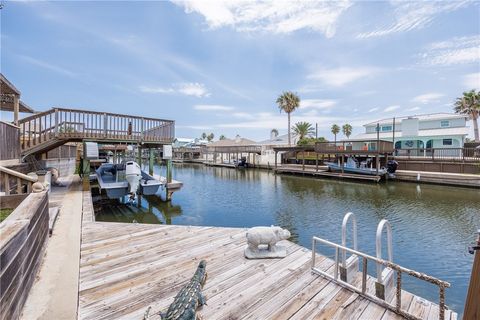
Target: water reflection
146	209
432	225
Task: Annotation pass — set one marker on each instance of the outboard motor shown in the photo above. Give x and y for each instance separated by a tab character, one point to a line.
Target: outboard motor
392	166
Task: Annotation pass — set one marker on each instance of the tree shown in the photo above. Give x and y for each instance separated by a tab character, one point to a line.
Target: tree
274	132
310	141
335	130
288	102
203	136
469	104
222	137
347	130
210	137
303	129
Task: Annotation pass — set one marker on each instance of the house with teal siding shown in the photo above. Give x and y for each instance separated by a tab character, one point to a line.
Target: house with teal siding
426	131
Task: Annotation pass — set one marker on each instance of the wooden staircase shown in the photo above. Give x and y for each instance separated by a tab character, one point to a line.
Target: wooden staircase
47	130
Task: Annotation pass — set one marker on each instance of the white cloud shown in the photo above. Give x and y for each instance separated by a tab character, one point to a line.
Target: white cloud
186	88
472	80
391	108
48	66
243	115
427	98
411	15
413	109
317	103
194	127
341	76
373	110
267	120
458	50
212	107
269	16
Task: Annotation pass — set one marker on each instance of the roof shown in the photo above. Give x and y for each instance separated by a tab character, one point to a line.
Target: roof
8	90
184	140
7	87
420	117
455	131
278	140
232	143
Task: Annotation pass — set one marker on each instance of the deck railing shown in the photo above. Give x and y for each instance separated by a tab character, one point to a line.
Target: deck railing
397	307
71	124
235	149
453	154
16	182
364	146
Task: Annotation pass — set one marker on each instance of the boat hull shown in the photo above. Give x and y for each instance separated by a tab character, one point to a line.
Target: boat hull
365	171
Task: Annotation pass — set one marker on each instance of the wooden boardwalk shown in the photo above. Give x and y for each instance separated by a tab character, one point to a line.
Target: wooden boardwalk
124	268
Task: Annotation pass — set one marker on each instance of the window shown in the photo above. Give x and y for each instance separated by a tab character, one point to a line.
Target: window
386	128
447	142
444	124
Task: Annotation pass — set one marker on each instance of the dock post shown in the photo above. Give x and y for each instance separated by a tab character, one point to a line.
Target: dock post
316	162
472	308
139	155
303	160
150	161
276	153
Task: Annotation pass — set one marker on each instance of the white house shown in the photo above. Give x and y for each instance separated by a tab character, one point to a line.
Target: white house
267	156
436	130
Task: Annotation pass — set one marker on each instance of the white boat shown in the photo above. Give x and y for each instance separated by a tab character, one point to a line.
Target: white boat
352	166
118	180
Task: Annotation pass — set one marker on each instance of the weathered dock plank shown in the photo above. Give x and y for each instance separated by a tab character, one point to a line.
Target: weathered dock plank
125	268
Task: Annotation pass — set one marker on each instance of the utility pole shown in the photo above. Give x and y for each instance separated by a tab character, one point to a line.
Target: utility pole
316	130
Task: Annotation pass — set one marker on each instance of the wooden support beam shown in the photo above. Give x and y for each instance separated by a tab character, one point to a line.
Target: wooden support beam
472	305
16	108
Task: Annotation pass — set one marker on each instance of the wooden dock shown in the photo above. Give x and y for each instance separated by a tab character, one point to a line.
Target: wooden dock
323	172
125	268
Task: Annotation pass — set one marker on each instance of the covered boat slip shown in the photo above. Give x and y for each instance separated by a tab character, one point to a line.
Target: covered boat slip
369	156
125	268
111	178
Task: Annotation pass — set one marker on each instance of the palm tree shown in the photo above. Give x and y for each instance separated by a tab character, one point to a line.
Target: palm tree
347	130
303	129
203	136
222	137
469	104
288	102
210	137
335	130
274	132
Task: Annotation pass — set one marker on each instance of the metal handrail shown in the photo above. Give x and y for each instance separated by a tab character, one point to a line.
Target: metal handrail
363	291
344	235
378	245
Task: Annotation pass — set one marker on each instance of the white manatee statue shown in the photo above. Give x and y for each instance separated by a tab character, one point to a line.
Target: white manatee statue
269	236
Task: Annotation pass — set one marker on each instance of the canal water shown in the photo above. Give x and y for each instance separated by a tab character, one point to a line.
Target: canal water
432	225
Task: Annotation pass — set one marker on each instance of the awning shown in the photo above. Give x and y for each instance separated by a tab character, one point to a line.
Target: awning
8	91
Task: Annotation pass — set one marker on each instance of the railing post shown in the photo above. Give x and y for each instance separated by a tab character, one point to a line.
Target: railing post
441	304
399	291
56	122
105	124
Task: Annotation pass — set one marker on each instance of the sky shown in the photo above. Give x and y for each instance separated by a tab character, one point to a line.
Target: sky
220	66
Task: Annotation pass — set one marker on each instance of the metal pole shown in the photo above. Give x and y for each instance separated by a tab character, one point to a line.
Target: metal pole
316	130
378	144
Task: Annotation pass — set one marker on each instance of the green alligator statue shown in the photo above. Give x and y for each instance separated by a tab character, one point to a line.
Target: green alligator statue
190	297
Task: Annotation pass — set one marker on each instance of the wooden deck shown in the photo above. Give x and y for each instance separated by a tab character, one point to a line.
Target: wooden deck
124	268
323	172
